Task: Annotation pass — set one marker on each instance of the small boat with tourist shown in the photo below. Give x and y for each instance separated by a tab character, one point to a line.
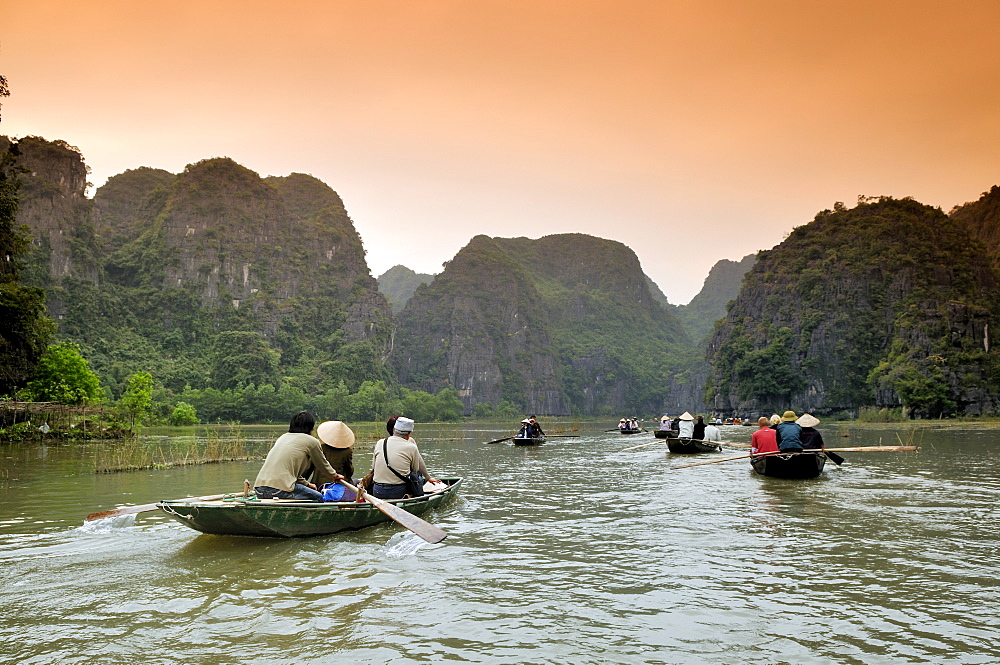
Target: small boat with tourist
665	433
807	464
290	518
682	446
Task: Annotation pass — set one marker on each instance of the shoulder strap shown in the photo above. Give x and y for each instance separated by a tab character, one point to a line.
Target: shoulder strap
385	455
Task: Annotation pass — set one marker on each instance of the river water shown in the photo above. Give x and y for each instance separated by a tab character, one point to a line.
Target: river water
573	552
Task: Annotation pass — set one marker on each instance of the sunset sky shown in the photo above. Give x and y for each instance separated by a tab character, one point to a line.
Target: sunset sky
689	130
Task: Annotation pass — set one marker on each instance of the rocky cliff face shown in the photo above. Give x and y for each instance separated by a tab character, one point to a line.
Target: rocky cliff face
720	287
274	248
562	323
889	303
54	206
157	263
982	218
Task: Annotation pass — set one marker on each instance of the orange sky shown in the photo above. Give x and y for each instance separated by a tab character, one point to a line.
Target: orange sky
689	130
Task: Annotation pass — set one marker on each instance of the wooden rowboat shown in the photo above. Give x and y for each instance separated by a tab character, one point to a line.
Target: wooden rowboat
665	433
691	446
629	430
529	441
796	465
286	518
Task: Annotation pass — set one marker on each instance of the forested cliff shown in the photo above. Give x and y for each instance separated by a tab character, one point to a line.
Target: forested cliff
399	283
214	277
887	304
559	324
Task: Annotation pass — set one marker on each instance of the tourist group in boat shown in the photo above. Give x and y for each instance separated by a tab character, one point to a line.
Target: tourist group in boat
307	468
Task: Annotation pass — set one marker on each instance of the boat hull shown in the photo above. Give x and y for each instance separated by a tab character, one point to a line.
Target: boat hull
665	433
802	465
629	431
531	441
691	446
276	518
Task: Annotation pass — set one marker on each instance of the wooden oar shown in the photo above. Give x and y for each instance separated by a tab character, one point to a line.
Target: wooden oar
858	449
643	445
500	440
146	507
425	530
834	457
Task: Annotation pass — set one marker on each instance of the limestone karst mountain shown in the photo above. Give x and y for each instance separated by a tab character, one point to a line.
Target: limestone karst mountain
887	304
565	323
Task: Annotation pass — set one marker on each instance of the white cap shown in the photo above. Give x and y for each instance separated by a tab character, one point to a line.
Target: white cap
403	424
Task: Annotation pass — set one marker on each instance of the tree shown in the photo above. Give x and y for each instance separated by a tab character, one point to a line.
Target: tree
241	358
4	89
25	331
137	400
184	414
63	376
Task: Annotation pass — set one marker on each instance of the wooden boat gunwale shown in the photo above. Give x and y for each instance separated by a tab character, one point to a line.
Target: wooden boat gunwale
529	441
687	446
293	518
799	465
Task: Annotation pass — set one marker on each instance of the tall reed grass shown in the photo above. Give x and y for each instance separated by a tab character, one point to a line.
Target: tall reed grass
222	443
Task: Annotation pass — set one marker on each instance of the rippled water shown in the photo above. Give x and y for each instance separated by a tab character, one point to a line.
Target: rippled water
572	552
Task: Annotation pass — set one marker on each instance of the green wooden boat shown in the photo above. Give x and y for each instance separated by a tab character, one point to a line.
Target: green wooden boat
286	518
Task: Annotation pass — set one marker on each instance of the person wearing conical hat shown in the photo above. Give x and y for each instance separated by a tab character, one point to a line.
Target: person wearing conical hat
338	448
810	436
687	426
789	433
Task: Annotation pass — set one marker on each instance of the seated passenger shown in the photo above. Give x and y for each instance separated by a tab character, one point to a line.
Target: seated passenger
712	433
394	459
535	429
765	439
789	433
291	457
810	437
338	448
687	426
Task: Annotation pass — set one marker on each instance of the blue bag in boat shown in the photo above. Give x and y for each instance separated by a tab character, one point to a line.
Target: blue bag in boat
333	492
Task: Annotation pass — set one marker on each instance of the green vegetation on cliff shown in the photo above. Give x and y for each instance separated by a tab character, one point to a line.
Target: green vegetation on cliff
212	279
982	218
24	328
562	323
886	304
398	284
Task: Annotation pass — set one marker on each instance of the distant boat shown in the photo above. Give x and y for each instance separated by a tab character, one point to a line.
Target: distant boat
630	430
528	441
665	433
692	446
795	465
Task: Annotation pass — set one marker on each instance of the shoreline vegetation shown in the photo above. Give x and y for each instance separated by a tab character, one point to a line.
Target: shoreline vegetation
164	447
219	444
